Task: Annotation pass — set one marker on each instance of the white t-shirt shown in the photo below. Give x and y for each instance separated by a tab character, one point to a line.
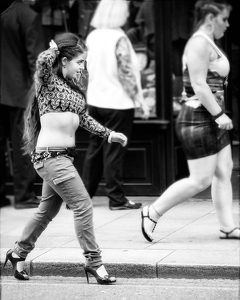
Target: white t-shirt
105	89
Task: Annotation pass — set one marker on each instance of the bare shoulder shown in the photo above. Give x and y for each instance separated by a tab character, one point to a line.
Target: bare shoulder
198	45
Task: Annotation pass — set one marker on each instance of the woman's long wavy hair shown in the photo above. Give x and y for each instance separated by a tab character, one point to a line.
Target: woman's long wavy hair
69	45
32	123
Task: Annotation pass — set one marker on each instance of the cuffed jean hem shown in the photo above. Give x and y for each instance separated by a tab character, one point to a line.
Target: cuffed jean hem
20	251
93	260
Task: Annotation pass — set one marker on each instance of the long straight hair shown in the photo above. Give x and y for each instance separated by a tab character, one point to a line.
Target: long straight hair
32	123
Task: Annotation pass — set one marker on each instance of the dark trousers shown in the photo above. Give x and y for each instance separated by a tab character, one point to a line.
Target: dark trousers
103	157
24	175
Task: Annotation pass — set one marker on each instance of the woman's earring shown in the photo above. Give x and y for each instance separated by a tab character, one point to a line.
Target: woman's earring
212	28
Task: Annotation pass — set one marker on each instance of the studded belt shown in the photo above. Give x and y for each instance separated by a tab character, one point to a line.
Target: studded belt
44	153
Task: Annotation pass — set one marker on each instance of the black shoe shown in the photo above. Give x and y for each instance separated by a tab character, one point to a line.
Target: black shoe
127	205
23	275
31	203
100	280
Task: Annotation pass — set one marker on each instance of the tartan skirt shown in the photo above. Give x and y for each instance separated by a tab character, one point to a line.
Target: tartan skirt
198	132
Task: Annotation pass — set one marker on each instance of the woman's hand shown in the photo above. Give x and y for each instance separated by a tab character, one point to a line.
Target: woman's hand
224	122
144	107
118	137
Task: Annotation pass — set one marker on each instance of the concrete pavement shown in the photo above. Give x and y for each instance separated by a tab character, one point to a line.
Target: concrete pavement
186	242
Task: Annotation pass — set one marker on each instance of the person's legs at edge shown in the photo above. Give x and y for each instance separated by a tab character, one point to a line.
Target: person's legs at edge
93	161
113	154
24	173
201	174
222	192
120	121
93	164
4	134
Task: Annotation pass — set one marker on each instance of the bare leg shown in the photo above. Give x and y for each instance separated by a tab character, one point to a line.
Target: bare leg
201	174
222	191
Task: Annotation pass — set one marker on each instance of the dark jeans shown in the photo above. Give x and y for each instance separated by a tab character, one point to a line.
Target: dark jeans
24	175
102	157
61	182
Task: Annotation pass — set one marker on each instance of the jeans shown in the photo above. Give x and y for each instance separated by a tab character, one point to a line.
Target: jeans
61	182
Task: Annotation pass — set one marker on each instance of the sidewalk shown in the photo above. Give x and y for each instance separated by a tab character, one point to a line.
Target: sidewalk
186	242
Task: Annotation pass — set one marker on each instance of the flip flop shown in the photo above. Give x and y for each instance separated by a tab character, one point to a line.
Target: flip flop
227	237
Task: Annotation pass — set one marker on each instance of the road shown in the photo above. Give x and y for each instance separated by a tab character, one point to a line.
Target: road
69	288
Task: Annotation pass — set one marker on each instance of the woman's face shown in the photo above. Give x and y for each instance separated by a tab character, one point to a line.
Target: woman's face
71	68
221	23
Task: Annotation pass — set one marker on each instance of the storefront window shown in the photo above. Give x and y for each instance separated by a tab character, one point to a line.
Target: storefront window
147	80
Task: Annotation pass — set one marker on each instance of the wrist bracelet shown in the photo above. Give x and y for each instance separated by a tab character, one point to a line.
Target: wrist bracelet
218	115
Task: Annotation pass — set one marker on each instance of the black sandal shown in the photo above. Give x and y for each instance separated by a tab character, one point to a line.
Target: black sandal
147	237
227	237
100	280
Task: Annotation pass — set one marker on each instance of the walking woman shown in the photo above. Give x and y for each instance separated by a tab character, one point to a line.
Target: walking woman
50	124
202	125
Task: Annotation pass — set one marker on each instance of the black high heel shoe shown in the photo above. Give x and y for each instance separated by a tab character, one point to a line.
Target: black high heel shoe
100	280
23	275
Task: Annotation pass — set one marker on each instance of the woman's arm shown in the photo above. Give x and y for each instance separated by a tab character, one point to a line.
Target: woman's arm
198	54
45	62
90	124
125	73
198	57
130	83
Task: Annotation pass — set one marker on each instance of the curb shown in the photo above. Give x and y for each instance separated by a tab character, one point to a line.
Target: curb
198	271
131	270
